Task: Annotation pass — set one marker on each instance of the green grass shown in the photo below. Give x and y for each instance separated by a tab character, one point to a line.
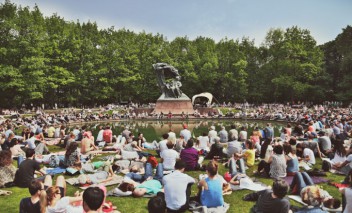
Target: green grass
129	204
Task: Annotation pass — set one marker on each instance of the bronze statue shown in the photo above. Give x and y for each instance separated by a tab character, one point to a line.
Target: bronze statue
170	88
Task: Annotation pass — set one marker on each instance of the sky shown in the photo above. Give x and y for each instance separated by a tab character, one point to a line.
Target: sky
216	19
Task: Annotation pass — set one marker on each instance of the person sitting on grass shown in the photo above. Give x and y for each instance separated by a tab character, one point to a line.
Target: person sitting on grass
87	144
312	194
27	169
276	165
7	170
190	156
210	188
31	204
271	200
249	153
169	157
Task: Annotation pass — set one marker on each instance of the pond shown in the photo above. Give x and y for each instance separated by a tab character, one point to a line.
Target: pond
154	129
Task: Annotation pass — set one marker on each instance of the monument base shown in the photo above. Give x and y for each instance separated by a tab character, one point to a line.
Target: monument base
175	106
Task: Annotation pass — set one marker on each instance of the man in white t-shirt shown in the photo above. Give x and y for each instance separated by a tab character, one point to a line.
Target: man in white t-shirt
169	157
177	188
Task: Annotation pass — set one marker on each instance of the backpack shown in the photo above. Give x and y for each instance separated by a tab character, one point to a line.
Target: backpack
54	161
153	161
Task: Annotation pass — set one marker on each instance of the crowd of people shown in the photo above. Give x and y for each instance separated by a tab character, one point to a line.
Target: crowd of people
317	132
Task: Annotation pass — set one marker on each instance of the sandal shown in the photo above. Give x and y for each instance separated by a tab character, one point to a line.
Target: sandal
4	192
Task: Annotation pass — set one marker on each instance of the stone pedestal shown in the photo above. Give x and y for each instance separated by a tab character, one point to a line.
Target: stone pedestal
173	105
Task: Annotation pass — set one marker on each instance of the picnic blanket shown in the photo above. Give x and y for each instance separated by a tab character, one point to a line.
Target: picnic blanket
54	171
339	185
253	186
315	179
298	199
115	180
203	209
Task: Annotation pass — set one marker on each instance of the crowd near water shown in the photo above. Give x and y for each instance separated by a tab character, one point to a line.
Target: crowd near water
49	143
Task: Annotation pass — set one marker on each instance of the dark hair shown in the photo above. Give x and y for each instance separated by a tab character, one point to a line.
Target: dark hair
35	186
190	143
29	153
332	203
212	168
13	142
93	197
157	204
287	148
300	146
170	145
126	187
340	149
71	148
233	126
180	164
278	149
165	136
5	158
280	188
250	144
292	141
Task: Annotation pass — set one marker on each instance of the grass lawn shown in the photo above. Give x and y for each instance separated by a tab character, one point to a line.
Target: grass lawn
10	203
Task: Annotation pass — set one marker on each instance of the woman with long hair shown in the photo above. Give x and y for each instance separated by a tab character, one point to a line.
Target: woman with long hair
72	155
7	170
52	200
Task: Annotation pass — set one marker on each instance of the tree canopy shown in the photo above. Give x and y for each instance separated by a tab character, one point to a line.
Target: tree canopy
51	60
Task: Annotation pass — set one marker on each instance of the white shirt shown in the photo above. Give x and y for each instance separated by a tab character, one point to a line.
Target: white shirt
100	135
162	145
203	142
243	135
212	134
186	134
169	157
175	185
60	207
310	153
172	137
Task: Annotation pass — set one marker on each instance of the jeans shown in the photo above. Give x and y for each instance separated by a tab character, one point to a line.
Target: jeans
301	180
148	173
233	167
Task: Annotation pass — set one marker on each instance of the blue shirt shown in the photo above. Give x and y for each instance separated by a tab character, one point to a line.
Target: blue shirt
213	196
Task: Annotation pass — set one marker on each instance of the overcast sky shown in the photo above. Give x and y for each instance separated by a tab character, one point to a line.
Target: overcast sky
216	19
